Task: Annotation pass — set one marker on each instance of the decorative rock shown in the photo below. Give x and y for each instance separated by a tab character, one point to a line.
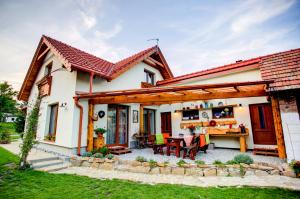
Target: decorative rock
99	160
253	166
154	170
136	163
286	167
95	165
250	172
146	164
245	165
165	170
178	170
121	161
106	166
265	168
233	166
289	174
203	166
91	160
76	163
161	164
234	172
209	172
261	173
86	164
109	160
275	172
222	172
122	167
139	169
193	172
85	158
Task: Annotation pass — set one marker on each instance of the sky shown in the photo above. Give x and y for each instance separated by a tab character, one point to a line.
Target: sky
193	35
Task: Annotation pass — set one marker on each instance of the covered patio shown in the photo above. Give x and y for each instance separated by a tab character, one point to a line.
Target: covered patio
156	96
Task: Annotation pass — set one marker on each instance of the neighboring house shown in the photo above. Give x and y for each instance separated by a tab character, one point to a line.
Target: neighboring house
9	117
75	86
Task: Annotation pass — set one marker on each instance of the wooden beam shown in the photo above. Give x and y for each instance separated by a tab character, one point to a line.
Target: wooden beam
43	53
236	88
174	98
278	127
150	63
156	62
90	136
142	119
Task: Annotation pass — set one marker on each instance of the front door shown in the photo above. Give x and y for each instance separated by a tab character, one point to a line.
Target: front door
117	125
166	124
262	124
149	121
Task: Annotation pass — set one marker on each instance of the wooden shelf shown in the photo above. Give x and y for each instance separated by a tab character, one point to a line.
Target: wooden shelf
201	109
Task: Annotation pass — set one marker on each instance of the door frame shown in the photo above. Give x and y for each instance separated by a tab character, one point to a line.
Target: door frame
117	106
148	118
251	120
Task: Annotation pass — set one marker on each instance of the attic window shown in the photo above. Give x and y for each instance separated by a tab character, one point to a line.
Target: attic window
149	77
48	69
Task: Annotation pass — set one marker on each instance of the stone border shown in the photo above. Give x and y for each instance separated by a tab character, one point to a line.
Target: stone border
258	169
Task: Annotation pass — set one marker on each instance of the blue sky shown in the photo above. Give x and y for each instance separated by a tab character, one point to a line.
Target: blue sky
194	35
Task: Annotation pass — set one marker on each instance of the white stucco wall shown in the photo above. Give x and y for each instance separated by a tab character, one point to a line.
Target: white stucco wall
62	91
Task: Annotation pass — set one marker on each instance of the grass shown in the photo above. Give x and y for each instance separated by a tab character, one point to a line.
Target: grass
35	184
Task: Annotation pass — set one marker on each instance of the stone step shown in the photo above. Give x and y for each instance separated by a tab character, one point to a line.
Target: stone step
265	151
43	160
119	152
49	163
116	148
52	168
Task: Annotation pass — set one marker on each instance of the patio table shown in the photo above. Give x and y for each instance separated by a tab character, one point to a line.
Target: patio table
175	142
141	141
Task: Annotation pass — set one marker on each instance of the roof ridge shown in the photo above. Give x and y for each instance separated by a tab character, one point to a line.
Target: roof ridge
147	49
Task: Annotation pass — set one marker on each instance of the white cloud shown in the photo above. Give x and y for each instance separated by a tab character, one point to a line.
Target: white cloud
88	21
257	12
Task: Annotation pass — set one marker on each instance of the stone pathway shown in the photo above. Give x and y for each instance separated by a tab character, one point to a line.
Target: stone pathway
261	181
209	157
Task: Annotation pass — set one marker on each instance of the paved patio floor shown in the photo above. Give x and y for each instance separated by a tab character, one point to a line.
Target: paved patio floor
209	157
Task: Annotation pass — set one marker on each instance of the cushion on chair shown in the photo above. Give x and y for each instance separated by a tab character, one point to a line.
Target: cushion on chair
166	136
188	139
159	138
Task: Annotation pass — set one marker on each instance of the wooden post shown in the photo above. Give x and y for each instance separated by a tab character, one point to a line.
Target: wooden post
90	134
278	127
243	146
141	119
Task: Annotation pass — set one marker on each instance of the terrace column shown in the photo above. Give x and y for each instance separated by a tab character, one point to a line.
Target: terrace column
141	119
90	134
278	127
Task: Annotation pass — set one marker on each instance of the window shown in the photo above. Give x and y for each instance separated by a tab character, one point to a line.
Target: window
48	69
52	122
149	121
190	115
149	77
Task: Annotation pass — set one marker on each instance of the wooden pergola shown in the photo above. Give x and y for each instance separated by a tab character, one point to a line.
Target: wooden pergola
179	94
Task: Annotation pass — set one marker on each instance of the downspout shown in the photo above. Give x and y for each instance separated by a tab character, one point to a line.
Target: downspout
91	82
80	124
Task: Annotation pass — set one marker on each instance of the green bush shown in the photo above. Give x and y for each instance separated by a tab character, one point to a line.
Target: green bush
104	150
87	154
243	158
98	155
181	163
110	156
231	162
5	137
140	159
217	162
199	162
295	165
152	163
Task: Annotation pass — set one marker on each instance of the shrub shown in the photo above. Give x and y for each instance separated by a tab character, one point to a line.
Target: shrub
295	165
152	163
110	156
4	137
181	163
243	158
231	162
98	155
87	154
217	162
104	150
140	159
199	162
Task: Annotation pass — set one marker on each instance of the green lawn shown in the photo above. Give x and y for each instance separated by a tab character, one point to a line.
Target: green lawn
35	184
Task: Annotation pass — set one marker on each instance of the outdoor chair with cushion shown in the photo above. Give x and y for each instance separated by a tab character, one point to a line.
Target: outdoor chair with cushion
203	142
150	140
190	150
159	144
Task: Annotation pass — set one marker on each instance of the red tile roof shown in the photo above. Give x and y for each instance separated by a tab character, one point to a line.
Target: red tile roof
283	68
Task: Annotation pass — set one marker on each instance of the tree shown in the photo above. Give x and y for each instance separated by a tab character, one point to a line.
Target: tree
7	101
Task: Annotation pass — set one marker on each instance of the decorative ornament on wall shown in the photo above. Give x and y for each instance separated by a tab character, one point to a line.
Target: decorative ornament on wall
101	114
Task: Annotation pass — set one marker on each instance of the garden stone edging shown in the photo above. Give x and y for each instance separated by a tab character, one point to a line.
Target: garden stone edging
258	169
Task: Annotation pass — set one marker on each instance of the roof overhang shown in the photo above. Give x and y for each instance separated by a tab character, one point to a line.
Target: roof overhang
178	94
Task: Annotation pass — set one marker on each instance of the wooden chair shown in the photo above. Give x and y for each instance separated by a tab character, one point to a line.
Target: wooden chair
159	144
191	151
150	141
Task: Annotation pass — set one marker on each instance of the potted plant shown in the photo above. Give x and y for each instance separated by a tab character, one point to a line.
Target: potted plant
100	132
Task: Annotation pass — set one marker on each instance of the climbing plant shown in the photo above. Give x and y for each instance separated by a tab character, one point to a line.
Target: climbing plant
30	134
